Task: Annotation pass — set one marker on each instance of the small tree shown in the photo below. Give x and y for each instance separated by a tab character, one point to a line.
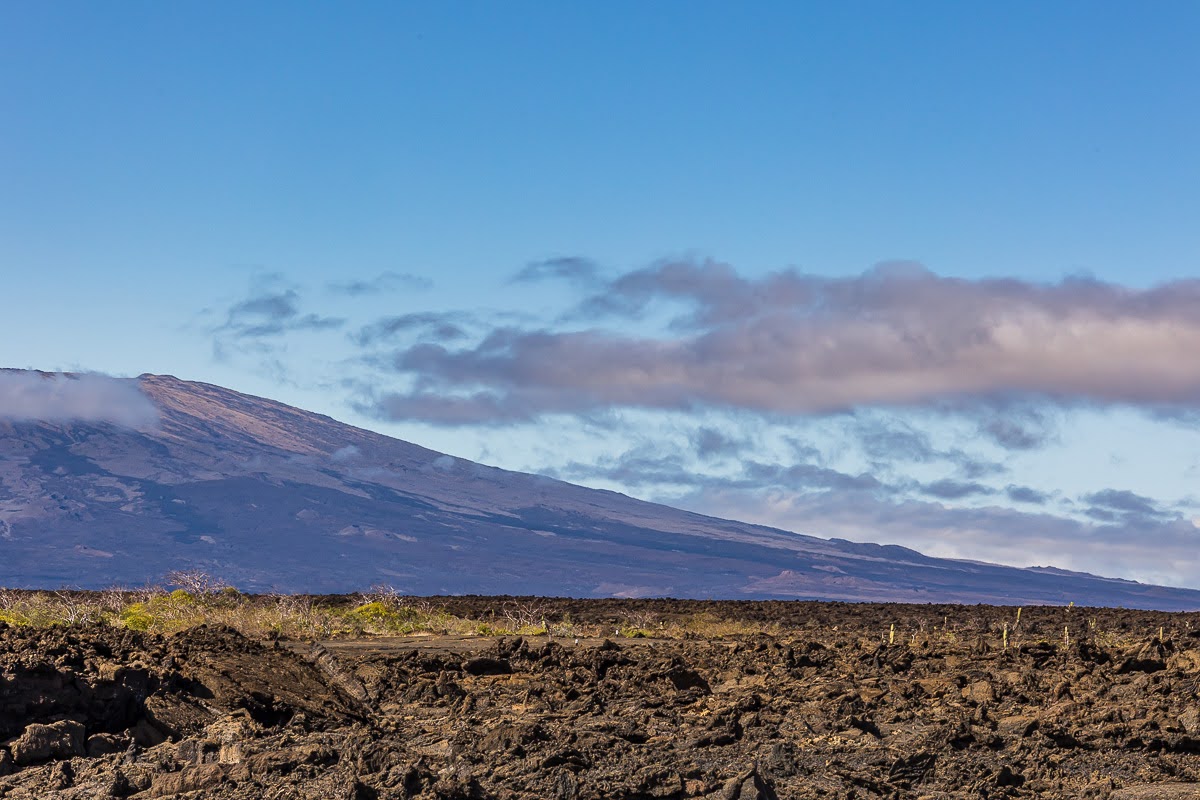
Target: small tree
194	581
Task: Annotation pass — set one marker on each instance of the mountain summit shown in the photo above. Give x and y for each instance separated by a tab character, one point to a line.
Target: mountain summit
271	497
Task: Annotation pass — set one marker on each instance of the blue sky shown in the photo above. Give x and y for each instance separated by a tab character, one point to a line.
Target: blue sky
264	195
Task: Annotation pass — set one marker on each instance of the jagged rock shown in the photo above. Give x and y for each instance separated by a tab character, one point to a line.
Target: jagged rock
189	779
61	776
198	751
62	739
1006	777
748	786
103	744
658	782
1159	791
327	664
487	666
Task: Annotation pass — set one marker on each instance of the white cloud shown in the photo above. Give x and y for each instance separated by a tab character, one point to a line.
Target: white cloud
58	397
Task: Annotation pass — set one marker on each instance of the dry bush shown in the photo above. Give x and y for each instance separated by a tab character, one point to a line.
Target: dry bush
195	581
525	617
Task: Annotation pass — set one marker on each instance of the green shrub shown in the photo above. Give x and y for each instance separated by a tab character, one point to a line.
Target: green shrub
164	613
373	612
136	617
13	618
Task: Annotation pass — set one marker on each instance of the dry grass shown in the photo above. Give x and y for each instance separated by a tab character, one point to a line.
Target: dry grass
198	599
308	617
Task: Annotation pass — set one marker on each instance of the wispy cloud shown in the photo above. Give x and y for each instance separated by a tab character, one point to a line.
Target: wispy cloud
271	313
88	397
1124	507
985	533
1106	534
1026	494
637	468
383	283
658	466
712	443
581	272
947	489
1017	426
439	326
885	442
257	328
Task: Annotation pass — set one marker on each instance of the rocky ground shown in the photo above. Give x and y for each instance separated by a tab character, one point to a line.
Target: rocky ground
845	701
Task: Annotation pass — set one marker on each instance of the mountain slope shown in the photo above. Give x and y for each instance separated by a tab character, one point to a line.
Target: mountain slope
272	497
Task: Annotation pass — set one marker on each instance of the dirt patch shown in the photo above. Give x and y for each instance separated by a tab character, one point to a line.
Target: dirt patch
846	704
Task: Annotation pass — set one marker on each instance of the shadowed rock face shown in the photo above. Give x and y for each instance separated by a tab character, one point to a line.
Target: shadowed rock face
269	496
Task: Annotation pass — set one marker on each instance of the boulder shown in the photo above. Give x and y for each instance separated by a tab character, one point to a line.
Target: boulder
62	739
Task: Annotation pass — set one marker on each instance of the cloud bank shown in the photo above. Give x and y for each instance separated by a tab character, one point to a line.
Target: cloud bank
27	396
896	405
790	343
1159	548
1109	532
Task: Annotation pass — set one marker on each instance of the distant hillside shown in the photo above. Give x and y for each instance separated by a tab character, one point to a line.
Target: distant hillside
269	496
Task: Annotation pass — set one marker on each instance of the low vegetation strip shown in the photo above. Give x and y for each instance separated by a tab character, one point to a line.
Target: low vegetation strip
190	599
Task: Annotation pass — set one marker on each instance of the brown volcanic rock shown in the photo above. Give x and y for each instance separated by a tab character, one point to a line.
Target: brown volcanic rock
823	712
1160	791
62	739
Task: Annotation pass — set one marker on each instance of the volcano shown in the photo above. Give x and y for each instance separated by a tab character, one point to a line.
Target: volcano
273	498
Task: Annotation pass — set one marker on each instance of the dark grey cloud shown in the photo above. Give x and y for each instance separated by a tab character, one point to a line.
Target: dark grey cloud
1102	514
714	291
889	443
883	442
803	450
886	442
651	466
1017	426
277	306
1121	505
791	343
637	468
947	489
383	283
27	395
806	477
1012	435
972	468
1025	494
315	322
272	313
439	326
572	269
458	410
712	443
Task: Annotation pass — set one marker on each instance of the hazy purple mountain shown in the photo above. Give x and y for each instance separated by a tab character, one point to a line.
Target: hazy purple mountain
269	496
